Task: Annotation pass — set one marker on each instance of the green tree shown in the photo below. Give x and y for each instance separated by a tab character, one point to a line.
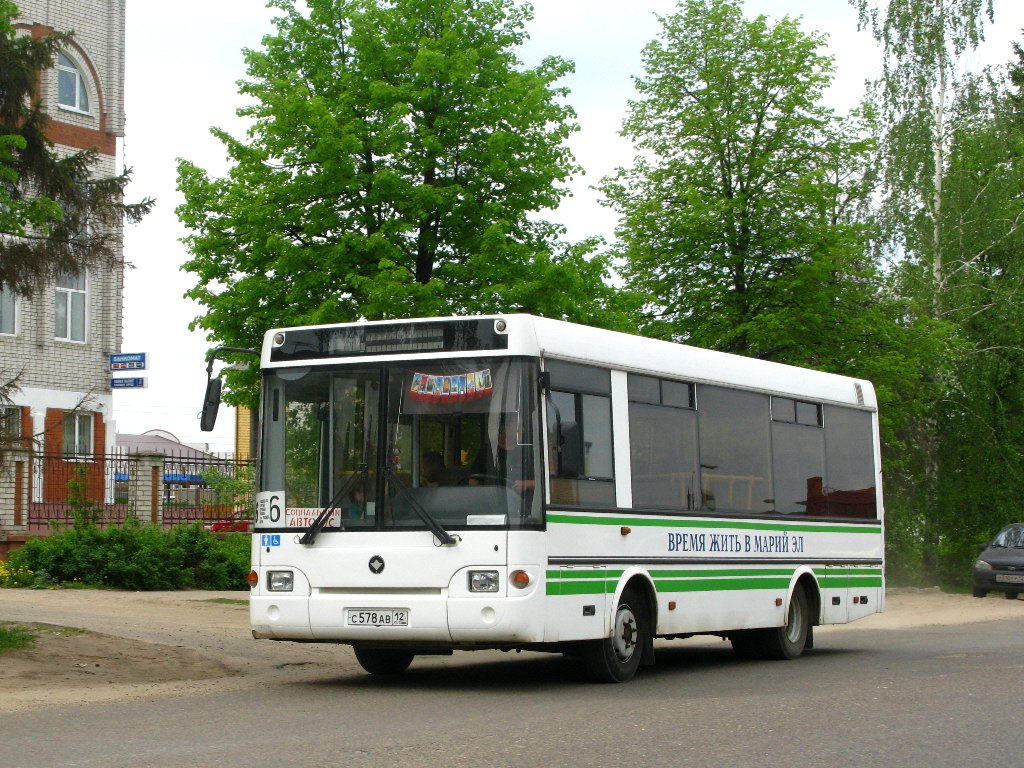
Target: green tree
921	41
744	219
55	214
397	160
939	168
980	452
739	216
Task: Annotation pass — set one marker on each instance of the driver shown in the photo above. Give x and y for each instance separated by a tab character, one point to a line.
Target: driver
508	463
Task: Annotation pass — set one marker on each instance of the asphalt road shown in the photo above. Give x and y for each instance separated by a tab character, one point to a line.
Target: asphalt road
926	696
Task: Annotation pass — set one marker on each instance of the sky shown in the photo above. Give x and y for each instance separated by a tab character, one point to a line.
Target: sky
183	61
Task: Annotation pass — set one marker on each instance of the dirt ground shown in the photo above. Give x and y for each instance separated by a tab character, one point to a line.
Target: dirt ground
95	645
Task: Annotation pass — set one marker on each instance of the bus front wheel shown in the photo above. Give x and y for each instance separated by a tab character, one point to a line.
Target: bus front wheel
383	661
615	659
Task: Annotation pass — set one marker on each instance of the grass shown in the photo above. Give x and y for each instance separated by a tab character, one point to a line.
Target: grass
14	637
226	601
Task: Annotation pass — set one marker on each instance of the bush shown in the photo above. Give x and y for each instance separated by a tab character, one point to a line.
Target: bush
15	576
136	557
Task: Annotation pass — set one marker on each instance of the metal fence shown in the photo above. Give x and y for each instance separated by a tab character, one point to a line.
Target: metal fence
165	489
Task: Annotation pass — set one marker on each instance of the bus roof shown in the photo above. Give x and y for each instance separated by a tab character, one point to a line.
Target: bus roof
531	336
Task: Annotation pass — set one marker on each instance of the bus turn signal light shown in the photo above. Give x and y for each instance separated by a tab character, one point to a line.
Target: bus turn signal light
253	578
519	579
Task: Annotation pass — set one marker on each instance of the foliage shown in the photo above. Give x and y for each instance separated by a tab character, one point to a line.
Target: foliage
236	489
738	218
83	509
55	214
15	637
137	557
926	108
980	452
15	576
744	219
921	40
398	160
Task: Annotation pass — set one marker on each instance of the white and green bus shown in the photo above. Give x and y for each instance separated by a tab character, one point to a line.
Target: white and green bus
512	482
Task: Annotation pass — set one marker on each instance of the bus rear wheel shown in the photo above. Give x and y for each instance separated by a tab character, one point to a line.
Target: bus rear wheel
788	642
615	659
383	661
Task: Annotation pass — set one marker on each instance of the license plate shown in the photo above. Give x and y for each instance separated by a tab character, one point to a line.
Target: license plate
1010	578
377	617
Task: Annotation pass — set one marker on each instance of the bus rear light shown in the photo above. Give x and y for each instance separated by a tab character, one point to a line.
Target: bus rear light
253	578
519	579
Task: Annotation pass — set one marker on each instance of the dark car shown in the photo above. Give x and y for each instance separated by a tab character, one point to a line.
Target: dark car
1000	565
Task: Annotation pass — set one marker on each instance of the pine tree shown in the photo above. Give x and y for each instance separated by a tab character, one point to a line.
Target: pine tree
55	215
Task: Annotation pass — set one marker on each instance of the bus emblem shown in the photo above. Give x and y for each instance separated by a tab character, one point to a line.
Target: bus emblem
376	564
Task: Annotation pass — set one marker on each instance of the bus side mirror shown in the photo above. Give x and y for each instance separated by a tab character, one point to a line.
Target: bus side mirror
569	450
211	404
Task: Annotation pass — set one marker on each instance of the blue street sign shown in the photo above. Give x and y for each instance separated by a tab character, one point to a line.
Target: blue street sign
132	383
128	361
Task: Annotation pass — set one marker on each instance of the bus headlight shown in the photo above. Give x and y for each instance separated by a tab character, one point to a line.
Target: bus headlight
280	581
483	581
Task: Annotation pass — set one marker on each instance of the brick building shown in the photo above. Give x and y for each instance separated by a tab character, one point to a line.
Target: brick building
61	339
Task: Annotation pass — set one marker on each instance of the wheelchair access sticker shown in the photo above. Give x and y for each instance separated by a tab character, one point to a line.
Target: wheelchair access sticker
270	540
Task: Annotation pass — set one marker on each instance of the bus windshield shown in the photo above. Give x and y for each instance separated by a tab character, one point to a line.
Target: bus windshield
458	446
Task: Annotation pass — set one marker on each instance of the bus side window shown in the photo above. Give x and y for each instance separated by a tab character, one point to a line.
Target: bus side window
580	421
735	450
849	464
663	443
798	456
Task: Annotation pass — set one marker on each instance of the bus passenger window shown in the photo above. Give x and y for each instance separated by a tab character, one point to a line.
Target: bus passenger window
735	450
849	464
663	443
579	416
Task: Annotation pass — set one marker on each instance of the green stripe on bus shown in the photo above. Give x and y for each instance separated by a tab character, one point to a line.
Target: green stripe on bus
719	585
668	522
596	581
592	573
595	587
712	573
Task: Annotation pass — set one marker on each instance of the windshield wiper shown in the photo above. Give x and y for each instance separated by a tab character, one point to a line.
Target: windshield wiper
435	527
325	514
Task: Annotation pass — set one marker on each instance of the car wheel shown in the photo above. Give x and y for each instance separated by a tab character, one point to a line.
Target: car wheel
383	661
979	592
616	659
1012	595
788	642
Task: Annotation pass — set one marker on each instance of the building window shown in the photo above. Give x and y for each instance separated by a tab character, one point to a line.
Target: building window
7	307
71	89
69	307
10	422
77	433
